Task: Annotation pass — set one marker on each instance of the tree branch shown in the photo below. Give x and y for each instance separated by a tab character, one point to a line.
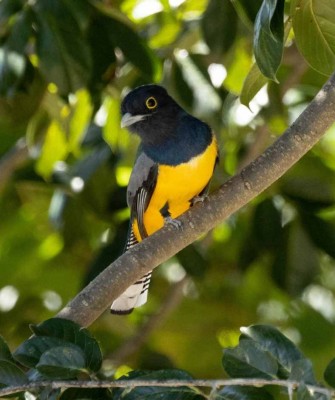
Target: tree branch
211	383
298	139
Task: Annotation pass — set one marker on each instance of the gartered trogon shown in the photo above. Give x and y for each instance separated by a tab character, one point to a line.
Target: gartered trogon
173	168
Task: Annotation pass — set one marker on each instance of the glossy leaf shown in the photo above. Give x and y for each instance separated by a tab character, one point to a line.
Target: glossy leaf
242	393
5	353
273	341
64	56
11	375
30	351
296	262
303	393
269	36
181	89
62	362
248	360
320	231
7	9
87	394
134	49
49	394
252	84
329	373
20	32
313	25
72	332
302	371
157	393
12	69
219	26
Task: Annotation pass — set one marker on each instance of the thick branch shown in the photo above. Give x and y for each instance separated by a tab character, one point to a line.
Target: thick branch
211	383
234	194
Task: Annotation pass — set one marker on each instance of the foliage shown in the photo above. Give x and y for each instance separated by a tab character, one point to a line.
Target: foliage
65	163
62	350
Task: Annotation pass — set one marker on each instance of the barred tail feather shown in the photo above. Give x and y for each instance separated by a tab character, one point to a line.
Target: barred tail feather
136	294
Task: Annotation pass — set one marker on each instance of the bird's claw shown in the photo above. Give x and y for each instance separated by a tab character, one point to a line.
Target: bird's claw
174	222
199	199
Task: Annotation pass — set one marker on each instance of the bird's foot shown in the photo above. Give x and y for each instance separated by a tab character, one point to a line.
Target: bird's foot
199	199
174	222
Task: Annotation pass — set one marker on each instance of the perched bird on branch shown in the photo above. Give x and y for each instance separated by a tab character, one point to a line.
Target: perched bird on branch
173	169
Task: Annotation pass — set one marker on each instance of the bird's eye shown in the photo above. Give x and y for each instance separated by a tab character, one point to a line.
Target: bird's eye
151	103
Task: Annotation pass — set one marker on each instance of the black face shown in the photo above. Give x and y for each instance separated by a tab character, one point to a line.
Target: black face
155	110
145	100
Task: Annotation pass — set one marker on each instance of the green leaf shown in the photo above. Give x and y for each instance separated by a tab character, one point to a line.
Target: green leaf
314	25
55	148
310	181
180	88
267	225
12	68
10	374
192	260
7	9
5	353
329	373
30	351
154	392
219	26
296	262
73	333
133	47
320	231
64	56
103	56
252	84
63	362
242	393
20	32
302	371
272	340
49	394
248	360
94	394
269	36
303	393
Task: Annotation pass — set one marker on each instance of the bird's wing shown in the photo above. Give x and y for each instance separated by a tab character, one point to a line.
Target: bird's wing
140	189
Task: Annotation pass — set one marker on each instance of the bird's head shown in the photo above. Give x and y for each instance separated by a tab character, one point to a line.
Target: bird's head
150	112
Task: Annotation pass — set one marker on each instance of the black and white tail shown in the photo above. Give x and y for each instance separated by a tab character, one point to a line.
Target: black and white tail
136	294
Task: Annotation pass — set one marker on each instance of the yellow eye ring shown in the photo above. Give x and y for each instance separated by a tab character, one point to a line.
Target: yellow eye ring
151	103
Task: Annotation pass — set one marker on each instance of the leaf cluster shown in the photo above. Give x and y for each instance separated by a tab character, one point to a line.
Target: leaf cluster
61	350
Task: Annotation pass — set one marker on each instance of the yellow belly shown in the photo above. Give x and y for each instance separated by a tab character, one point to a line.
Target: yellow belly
177	185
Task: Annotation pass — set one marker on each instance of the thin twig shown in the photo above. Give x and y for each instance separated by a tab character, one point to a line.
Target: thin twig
218	383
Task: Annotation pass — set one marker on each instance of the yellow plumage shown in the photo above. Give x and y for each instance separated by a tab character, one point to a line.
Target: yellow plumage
177	185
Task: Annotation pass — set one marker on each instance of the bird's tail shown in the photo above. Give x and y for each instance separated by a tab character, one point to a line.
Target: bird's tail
136	294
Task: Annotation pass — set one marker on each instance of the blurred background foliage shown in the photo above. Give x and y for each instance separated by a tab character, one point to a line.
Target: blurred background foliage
65	162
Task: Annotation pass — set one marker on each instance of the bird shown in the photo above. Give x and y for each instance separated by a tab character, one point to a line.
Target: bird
174	165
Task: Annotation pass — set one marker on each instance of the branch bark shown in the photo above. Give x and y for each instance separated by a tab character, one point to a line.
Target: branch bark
297	140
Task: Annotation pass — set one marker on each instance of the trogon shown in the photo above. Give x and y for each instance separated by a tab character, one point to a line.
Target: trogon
174	165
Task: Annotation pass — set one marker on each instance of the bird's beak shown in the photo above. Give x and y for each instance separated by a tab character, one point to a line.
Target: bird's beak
129	119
